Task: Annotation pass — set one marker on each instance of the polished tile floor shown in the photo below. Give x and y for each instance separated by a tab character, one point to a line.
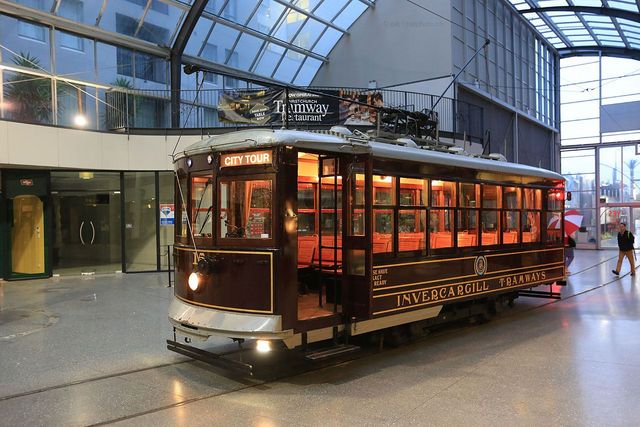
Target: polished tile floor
78	351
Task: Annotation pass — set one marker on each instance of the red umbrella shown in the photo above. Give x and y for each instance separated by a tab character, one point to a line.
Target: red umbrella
572	222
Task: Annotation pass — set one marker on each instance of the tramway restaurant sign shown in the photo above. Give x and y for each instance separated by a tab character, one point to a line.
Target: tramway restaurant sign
246	159
277	106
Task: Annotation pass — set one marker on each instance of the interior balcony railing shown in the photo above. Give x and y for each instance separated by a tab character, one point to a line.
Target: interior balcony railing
129	110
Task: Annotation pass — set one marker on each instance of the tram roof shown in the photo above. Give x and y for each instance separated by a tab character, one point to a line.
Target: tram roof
263	138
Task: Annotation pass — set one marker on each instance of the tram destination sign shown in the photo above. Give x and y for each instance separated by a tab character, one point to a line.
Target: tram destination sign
246	159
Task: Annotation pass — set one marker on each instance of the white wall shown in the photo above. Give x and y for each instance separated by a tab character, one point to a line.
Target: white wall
26	145
392	43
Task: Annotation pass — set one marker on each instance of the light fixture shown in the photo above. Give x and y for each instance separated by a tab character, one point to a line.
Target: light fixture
189	162
194	281
210	158
85	175
263	346
80	120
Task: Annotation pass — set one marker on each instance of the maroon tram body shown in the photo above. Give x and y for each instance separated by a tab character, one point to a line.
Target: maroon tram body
301	237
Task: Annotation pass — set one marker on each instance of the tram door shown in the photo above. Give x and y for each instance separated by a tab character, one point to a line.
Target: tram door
357	235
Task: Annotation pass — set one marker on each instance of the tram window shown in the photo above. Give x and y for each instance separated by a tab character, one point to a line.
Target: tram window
411	229
327	196
306	223
383	190
467	227
491	196
532	199
443	193
510	227
328	221
441	228
356	204
530	227
382	231
202	205
413	192
245	209
511	198
182	206
490	227
469	195
554	234
306	198
555	199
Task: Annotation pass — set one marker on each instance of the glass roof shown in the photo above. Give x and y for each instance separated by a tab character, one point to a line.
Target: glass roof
570	24
287	40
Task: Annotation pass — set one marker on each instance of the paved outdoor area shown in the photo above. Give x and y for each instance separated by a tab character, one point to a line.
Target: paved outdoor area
78	351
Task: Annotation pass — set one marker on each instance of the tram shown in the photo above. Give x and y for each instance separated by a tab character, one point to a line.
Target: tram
287	237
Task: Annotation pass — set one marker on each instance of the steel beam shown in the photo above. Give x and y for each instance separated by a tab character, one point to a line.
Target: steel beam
177	50
603	11
619	52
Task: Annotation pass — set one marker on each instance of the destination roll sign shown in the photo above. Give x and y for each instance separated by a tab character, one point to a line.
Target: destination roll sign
246	159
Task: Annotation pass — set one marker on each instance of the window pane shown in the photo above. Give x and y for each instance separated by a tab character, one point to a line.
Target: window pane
140	218
512	198
413	192
384	190
306	198
202	205
490	227
554	221
530	227
382	231
75	57
29	41
411	230
555	199
511	227
27	98
532	199
443	193
181	199
469	195
491	196
167	224
467	227
441	228
245	209
76	103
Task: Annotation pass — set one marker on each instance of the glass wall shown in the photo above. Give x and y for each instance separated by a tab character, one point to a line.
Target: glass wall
140	221
167	183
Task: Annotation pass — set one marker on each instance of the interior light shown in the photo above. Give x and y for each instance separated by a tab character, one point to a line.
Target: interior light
194	281
263	346
85	175
80	120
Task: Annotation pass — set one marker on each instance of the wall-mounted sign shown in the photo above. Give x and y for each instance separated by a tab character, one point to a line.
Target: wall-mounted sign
246	159
26	182
167	214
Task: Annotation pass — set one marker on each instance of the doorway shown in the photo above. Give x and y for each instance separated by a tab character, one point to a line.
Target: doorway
27	236
87	222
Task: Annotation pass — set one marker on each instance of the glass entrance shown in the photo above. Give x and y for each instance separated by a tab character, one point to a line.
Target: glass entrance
610	219
87	222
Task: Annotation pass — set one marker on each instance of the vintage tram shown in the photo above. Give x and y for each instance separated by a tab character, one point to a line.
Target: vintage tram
298	237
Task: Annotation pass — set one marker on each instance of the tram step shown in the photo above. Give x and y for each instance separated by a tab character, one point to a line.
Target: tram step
326	353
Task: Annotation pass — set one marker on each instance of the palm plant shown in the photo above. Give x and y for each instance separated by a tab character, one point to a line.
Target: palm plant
29	95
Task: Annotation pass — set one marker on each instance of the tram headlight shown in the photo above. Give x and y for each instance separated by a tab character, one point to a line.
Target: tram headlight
194	281
263	346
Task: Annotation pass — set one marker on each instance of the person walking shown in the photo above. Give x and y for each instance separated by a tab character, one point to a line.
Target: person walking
625	244
568	253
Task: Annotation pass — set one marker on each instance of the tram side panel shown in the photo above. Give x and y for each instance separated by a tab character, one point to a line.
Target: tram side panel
401	287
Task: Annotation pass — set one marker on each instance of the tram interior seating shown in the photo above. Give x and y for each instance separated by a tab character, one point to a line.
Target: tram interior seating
510	237
466	239
440	240
489	238
410	241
